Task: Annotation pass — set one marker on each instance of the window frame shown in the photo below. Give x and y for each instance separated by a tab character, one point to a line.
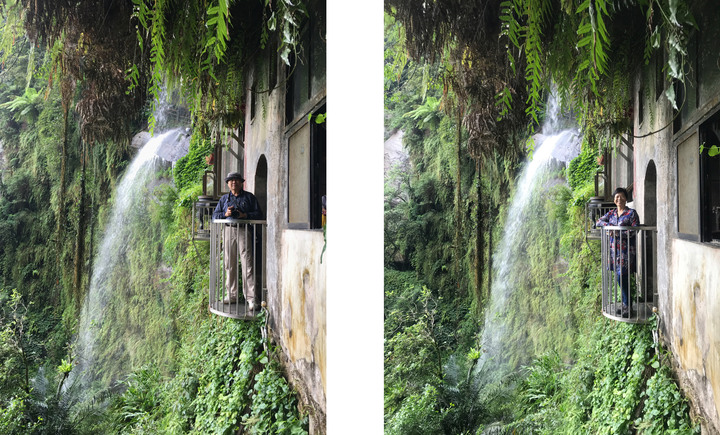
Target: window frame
311	217
696	128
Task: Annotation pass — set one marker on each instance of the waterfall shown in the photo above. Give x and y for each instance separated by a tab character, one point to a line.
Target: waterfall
111	286
553	143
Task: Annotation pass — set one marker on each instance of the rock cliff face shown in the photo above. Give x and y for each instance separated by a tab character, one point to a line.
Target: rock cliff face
173	147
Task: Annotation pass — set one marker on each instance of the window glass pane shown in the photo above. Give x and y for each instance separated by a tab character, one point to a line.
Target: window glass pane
318	177
711	201
300	75
299	175
318	56
709	72
688	185
232	161
710	180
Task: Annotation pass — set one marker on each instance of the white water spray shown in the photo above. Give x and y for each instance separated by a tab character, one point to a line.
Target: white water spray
130	194
506	262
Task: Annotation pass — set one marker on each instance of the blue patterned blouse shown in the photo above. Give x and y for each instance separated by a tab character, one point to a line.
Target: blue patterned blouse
622	247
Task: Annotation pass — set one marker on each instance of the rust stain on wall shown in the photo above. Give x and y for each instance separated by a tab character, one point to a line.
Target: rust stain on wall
303	308
685	337
694	321
297	340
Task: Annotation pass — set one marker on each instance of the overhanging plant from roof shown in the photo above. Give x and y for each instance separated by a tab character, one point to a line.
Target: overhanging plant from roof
590	49
593	51
201	49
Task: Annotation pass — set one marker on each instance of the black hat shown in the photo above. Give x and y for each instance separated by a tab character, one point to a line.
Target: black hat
234	175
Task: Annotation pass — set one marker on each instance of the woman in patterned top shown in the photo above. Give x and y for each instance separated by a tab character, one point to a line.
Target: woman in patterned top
622	248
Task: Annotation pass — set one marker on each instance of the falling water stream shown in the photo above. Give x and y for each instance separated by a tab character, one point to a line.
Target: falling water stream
553	143
110	279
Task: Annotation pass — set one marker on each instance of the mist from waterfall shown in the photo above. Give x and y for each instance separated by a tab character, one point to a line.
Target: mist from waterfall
110	265
508	266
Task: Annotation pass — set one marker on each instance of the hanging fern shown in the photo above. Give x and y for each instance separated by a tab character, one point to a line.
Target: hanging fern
202	48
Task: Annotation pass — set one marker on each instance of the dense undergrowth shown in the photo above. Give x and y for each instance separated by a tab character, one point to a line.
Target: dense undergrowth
569	370
170	366
566	368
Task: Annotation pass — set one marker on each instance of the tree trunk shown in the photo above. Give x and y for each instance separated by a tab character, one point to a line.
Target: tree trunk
61	195
491	225
458	199
92	219
479	249
80	242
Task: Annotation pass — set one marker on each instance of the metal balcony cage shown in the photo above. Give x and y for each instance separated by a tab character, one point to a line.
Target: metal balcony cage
596	208
202	217
221	302
629	273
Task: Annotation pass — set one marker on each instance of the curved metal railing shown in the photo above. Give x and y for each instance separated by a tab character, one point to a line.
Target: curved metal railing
251	233
594	210
629	272
202	217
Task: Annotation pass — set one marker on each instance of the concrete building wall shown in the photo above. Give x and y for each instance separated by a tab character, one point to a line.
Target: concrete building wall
694	332
688	272
295	276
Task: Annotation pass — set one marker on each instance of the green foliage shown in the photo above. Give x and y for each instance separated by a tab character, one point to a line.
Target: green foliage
218	368
25	107
16	347
541	382
189	371
619	378
141	396
417	415
665	410
583	374
582	169
201	49
713	150
320	118
602	391
591	49
413	356
274	408
190	168
427	114
421	335
13	420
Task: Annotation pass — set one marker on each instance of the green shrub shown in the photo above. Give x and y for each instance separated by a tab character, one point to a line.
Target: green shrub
274	407
189	169
417	415
582	168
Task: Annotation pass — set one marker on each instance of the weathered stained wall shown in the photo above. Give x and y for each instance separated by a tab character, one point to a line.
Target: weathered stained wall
688	272
694	332
301	319
295	276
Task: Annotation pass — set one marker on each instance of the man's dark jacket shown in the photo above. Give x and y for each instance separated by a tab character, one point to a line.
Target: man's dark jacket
244	202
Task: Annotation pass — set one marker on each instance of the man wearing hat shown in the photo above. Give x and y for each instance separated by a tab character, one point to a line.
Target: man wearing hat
238	204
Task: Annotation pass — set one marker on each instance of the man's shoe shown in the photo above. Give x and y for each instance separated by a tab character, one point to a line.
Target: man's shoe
625	312
230	300
252	308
